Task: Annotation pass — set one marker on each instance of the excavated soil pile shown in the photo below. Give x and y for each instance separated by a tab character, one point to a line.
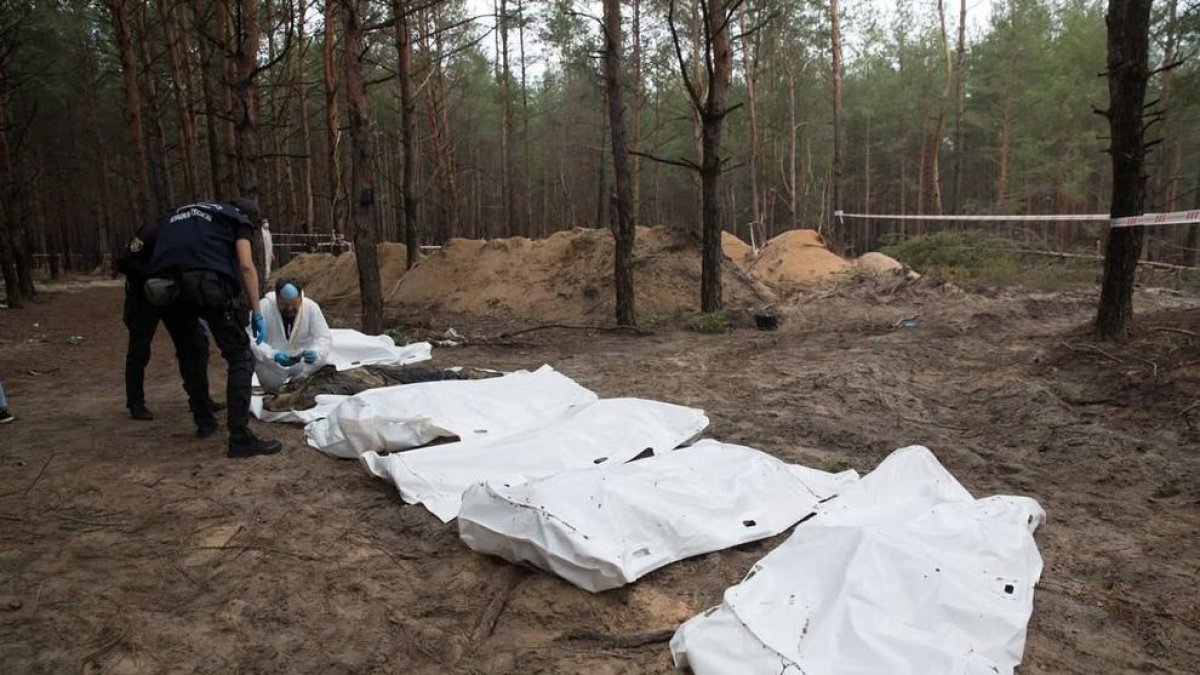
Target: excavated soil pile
329	277
737	250
568	276
795	259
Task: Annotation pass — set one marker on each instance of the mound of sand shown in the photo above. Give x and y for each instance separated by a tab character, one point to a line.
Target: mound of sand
328	277
878	264
737	250
568	276
795	259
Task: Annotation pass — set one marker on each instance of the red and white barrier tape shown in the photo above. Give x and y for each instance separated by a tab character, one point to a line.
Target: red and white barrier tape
1173	218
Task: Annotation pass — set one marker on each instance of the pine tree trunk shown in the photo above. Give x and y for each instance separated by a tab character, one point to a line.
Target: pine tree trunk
133	109
227	72
624	232
939	119
639	93
216	169
507	179
8	213
163	188
408	126
710	165
362	169
1005	144
527	169
835	236
960	107
793	129
310	207
449	200
750	65
246	116
179	89
1128	72
333	134
103	206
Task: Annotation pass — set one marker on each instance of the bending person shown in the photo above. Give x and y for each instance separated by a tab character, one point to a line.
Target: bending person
297	339
204	249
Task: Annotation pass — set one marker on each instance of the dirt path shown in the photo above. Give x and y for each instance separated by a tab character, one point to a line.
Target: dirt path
131	547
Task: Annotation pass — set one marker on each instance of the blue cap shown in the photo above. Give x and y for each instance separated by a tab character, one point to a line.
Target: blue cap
289	292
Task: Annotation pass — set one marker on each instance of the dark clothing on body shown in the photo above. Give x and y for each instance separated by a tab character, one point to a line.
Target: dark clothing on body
142	318
196	246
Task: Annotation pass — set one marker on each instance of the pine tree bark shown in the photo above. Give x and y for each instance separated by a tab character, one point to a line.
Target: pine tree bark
624	231
507	179
408	128
939	119
133	109
835	237
246	115
1005	145
227	80
639	94
180	92
449	199
9	231
750	66
306	177
162	186
362	168
1128	24
959	107
216	162
332	131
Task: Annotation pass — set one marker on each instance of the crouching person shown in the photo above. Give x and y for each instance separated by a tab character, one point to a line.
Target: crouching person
298	337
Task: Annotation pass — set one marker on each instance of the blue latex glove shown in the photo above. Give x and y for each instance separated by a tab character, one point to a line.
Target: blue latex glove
259	325
310	355
283	359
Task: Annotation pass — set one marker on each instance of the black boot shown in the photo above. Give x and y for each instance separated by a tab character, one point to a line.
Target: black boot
140	412
206	428
245	444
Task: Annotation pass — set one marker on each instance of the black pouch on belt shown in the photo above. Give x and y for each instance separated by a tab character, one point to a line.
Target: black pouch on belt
160	291
207	290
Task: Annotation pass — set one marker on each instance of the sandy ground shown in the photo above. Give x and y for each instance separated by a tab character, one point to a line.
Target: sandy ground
131	547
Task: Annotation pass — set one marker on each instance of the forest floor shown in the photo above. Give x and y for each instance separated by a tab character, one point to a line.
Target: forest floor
132	547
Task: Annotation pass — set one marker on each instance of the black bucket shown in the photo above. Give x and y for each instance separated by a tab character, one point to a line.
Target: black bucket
766	321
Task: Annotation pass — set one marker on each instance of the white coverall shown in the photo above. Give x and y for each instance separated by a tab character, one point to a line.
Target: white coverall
309	331
268	249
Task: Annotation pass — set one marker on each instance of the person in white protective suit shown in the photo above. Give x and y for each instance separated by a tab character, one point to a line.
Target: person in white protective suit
298	337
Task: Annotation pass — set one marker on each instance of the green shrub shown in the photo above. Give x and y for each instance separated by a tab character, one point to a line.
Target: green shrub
712	323
958	256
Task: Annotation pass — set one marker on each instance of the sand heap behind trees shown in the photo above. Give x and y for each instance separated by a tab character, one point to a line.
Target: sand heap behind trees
328	277
568	276
796	258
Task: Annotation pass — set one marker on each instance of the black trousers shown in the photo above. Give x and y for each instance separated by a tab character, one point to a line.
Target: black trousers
142	319
212	297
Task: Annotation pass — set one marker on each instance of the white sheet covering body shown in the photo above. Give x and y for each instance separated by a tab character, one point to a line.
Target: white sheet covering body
349	349
352	349
411	415
905	574
605	432
602	528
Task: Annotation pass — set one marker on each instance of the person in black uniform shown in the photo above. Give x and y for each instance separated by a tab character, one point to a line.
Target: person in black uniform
205	248
142	319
